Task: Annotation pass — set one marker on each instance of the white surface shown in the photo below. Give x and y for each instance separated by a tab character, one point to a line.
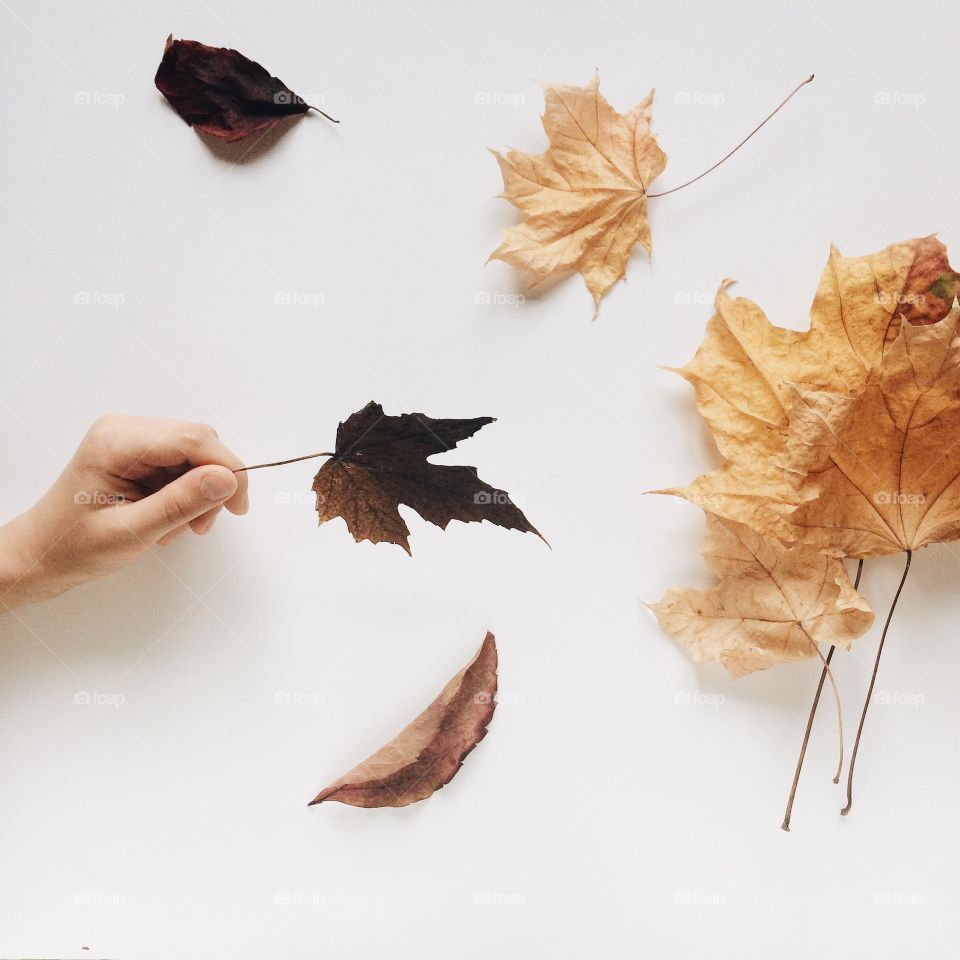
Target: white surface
602	815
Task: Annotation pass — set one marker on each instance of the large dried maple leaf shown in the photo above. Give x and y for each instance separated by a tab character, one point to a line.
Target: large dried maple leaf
585	200
772	604
881	468
749	373
428	752
381	461
221	92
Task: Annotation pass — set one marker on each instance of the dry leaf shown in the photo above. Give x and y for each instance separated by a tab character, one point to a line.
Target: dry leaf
748	373
585	200
772	604
221	92
381	461
428	752
881	469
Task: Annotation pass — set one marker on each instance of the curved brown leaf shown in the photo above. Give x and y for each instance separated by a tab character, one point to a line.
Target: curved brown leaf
429	751
380	462
221	92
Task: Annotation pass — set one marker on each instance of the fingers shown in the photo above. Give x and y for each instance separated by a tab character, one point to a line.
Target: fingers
133	447
187	500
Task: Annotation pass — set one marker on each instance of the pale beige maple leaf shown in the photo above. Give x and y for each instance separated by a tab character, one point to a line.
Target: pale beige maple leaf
585	199
772	604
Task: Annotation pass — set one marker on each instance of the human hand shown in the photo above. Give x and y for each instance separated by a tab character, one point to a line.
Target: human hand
133	482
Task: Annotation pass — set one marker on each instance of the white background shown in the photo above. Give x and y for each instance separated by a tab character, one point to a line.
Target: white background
625	802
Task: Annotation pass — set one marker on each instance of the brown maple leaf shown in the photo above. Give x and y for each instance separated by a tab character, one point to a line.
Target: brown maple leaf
428	752
771	605
585	199
223	93
748	373
381	461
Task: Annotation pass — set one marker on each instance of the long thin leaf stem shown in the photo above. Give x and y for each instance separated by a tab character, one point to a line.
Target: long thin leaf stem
813	712
873	680
280	463
756	129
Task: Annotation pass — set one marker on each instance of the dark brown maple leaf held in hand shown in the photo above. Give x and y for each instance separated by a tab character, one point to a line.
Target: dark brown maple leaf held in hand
429	751
381	461
223	93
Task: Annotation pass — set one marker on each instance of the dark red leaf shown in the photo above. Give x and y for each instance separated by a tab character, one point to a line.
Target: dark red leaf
221	92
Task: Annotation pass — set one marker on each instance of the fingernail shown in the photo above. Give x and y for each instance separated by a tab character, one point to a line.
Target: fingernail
218	486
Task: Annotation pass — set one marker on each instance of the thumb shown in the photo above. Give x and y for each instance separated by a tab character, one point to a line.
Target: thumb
180	501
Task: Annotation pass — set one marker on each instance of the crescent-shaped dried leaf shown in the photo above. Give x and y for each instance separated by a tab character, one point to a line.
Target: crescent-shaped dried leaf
429	751
585	199
380	461
772	604
749	373
221	92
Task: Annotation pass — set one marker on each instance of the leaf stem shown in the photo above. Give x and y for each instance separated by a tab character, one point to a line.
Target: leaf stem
813	711
280	463
310	106
756	129
873	680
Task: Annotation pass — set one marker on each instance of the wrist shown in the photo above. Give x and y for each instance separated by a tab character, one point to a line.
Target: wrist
22	576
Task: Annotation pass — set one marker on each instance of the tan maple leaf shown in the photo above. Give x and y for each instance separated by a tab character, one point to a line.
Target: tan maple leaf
748	374
881	468
772	604
585	199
